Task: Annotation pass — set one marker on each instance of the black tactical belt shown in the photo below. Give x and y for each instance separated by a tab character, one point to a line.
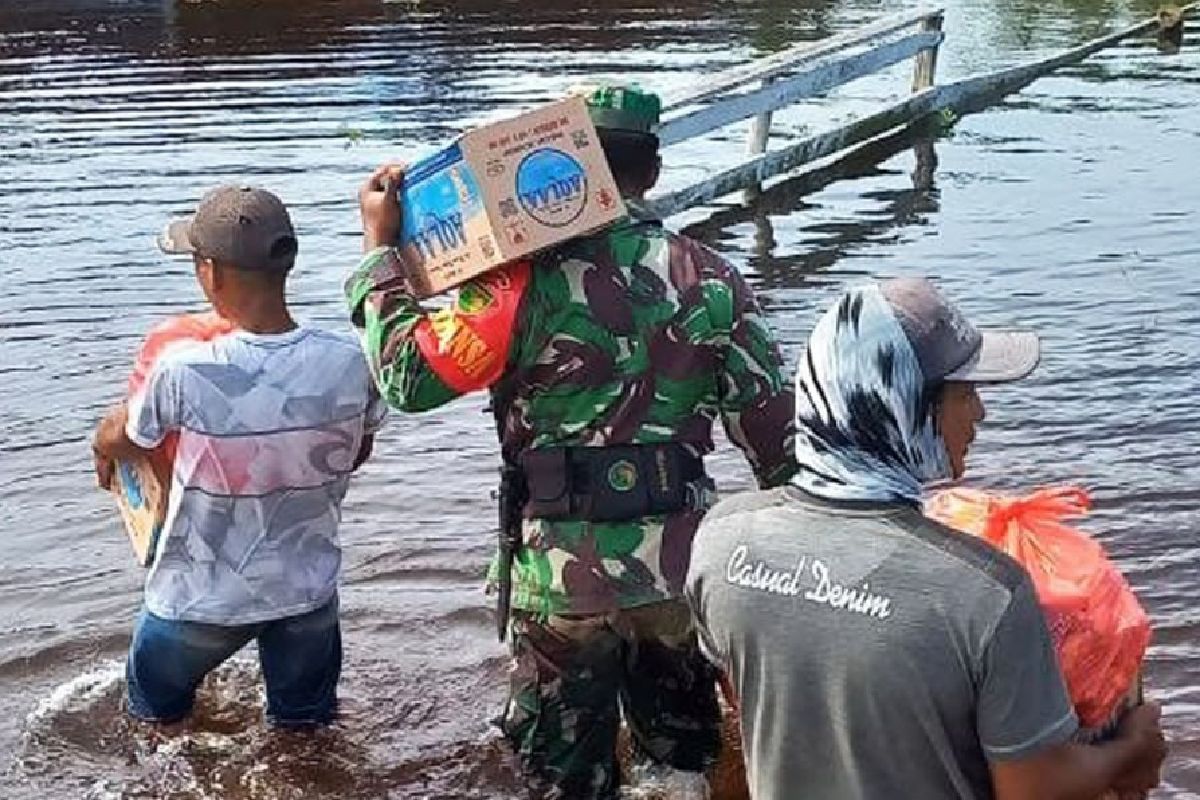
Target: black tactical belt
613	484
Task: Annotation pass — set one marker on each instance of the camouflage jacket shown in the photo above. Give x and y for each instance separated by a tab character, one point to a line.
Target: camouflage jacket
632	336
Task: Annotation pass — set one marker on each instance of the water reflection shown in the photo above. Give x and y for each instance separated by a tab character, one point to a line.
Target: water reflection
183	28
1037	24
897	208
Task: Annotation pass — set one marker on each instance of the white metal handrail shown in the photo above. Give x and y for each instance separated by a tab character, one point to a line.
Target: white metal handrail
806	70
822	75
777	64
961	97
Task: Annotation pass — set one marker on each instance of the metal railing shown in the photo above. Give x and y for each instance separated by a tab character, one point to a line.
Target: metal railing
782	79
813	68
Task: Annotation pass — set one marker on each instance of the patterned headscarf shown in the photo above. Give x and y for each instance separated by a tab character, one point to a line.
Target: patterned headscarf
865	420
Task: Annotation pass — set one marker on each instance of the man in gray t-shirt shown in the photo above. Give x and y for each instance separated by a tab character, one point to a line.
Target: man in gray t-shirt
876	653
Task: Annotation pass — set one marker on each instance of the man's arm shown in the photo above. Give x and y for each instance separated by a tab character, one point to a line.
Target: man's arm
1129	764
421	360
758	405
1026	722
111	444
135	428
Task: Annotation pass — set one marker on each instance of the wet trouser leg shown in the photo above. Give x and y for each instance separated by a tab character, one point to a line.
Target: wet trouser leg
669	693
571	677
563	711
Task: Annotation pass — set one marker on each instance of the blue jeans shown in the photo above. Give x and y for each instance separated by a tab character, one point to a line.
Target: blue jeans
301	659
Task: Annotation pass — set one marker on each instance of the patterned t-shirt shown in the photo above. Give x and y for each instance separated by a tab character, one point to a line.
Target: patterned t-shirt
269	427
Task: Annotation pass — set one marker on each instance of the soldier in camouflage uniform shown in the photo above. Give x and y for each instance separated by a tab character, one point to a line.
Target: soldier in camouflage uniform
632	336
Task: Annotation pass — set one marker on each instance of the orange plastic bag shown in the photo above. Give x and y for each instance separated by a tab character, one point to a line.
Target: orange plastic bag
141	487
177	331
171	333
1099	628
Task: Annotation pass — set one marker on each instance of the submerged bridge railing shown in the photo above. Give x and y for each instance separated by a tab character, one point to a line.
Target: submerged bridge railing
758	89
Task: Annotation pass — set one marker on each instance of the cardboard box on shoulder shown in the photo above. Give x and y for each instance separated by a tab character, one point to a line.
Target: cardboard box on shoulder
503	192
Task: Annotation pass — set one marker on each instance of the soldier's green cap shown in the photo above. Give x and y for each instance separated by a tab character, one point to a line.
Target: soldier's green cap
621	106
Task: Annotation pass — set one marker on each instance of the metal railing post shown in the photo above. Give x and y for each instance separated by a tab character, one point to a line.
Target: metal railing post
925	64
756	144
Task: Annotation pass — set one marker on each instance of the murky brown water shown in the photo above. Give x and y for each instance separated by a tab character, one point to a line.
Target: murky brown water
1070	207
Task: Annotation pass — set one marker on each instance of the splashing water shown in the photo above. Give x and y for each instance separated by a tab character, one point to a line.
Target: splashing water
224	751
83	690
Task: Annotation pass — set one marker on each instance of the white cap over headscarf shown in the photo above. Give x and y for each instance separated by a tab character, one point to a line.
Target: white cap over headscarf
868	383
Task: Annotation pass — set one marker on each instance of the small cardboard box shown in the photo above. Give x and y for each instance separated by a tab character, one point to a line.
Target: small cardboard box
142	500
502	192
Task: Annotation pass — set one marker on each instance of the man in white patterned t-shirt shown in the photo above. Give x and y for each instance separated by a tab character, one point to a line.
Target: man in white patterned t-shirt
271	420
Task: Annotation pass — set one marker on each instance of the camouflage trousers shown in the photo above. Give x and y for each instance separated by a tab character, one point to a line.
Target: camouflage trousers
573	676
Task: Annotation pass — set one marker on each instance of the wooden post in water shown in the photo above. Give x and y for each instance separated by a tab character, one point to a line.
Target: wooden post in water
925	64
756	144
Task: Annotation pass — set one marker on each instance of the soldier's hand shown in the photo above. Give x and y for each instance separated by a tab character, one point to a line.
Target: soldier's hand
379	206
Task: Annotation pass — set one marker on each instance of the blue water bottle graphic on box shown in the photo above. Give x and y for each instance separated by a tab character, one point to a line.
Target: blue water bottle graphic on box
503	192
440	195
552	187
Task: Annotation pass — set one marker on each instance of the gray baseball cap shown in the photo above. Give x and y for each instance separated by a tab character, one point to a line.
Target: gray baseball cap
948	347
243	226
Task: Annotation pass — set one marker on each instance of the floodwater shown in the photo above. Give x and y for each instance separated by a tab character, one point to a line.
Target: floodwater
1070	207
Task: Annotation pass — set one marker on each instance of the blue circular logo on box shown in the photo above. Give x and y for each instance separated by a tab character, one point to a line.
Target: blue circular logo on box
552	187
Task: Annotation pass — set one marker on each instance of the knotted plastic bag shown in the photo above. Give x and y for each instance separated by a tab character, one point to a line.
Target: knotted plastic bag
178	331
141	486
1099	628
172	333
